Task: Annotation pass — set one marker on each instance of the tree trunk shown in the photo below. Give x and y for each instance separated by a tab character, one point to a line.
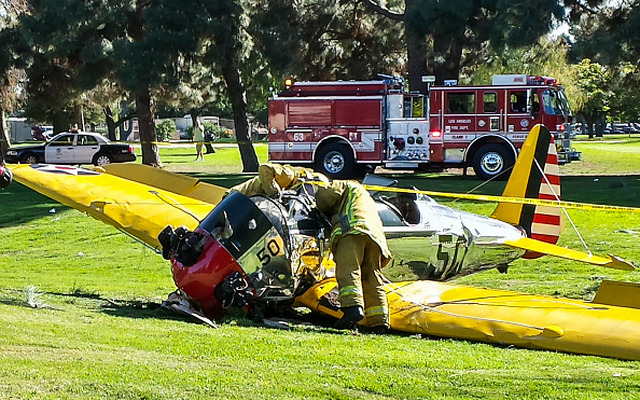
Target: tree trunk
60	122
447	54
78	116
113	125
601	123
590	123
148	137
194	118
416	61
144	103
238	97
125	115
5	140
416	54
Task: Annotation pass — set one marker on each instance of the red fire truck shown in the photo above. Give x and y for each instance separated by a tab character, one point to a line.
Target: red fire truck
341	128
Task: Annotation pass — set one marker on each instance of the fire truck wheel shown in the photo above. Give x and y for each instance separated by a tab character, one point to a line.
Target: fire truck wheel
493	160
335	160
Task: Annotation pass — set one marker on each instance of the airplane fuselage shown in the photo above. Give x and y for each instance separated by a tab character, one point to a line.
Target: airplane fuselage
446	243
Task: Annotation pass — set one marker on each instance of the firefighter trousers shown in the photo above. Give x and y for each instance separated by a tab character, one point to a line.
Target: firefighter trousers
358	272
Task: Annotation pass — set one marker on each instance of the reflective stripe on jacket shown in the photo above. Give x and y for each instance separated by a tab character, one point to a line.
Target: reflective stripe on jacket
352	210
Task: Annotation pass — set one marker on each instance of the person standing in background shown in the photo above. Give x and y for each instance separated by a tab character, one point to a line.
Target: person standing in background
208	138
198	138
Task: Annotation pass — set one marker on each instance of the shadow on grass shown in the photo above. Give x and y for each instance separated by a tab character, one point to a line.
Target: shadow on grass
139	309
14	302
618	190
226	180
20	205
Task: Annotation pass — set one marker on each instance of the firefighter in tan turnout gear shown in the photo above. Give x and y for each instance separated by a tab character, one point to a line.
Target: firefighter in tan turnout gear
359	250
274	178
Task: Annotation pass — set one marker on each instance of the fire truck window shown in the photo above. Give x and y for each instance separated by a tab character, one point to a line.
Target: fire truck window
413	106
518	101
564	102
490	101
535	102
461	103
406	107
417	107
555	103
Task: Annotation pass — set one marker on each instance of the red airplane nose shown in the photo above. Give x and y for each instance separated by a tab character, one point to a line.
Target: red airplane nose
199	281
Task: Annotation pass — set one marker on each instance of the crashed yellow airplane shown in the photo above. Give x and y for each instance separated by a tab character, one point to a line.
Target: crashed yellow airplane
270	253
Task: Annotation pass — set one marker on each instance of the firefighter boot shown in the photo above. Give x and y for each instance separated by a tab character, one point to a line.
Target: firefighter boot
351	316
378	330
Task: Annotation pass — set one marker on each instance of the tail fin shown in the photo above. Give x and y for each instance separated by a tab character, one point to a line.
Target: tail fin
538	155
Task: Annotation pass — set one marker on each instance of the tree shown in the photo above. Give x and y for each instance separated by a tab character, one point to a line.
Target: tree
139	71
594	80
68	45
226	50
548	57
212	36
76	46
109	104
453	26
625	104
9	74
325	40
8	98
609	36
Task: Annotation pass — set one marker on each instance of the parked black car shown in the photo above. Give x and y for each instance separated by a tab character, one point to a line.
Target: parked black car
73	148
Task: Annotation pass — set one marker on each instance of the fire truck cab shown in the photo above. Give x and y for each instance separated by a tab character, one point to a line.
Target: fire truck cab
342	127
484	126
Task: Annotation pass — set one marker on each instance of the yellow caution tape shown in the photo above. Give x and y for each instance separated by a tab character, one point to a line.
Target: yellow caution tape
501	199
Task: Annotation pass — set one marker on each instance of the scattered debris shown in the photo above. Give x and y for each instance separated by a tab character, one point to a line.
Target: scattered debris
32	295
287	323
178	303
628	231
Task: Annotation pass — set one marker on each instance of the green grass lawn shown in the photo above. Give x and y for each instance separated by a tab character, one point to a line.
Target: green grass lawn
610	155
95	328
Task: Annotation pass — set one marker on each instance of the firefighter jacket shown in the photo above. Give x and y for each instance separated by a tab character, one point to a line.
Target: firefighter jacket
352	210
274	178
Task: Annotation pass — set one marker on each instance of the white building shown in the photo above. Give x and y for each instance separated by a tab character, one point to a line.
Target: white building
19	129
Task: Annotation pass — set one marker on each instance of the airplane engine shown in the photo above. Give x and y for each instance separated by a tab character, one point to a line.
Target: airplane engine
247	250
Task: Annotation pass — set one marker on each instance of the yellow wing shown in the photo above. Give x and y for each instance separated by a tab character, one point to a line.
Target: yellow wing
138	199
549	249
602	328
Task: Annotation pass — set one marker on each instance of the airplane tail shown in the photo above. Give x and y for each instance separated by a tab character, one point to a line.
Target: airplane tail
535	176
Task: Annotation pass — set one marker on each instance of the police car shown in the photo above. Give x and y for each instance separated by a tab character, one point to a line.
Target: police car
73	148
